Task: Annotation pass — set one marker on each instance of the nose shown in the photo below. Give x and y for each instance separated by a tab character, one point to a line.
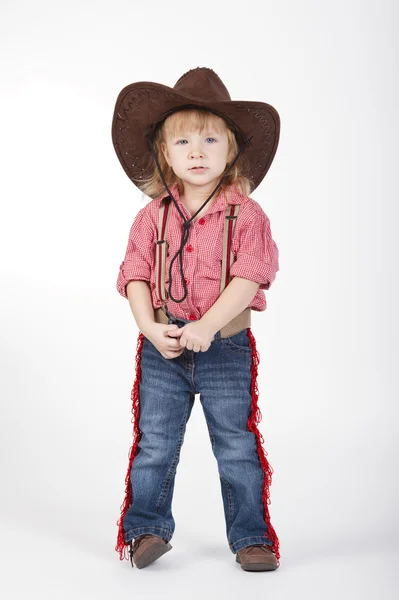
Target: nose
195	152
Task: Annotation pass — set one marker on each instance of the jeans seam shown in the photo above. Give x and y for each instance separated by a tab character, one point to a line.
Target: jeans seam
165	487
227	484
230	500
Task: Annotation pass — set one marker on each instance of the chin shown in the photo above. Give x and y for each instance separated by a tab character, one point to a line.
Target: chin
202	179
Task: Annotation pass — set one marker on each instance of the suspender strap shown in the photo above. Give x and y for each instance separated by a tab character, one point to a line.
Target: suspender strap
228	255
162	250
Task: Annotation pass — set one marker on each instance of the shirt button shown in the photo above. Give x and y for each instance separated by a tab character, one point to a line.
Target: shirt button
192	317
189	248
201	221
186	280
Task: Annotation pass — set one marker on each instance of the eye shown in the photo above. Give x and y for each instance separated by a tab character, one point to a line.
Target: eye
211	138
180	142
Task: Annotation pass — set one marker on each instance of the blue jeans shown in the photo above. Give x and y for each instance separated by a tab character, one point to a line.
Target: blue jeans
222	377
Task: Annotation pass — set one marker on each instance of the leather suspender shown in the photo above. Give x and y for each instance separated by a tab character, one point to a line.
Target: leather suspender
162	250
228	256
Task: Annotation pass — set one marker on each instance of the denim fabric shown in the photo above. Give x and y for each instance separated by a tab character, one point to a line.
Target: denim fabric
222	377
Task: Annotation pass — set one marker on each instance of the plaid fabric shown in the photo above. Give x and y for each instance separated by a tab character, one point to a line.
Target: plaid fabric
255	251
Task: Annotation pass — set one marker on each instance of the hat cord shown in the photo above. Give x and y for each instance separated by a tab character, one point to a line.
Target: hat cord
186	223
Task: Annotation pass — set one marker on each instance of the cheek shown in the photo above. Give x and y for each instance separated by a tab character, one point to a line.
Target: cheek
176	159
222	157
222	149
176	162
174	154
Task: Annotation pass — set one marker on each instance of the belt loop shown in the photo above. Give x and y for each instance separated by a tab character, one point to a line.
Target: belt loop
171	318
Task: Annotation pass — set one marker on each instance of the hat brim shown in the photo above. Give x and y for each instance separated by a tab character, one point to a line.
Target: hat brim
139	105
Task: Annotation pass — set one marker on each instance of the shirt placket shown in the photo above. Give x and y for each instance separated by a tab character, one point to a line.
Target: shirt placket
191	251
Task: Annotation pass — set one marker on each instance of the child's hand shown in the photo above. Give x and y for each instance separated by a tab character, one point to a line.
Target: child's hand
194	336
158	335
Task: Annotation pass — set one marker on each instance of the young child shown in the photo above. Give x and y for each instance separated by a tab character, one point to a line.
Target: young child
198	155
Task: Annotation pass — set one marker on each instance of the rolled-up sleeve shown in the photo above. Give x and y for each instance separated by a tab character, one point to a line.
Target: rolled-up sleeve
257	256
139	258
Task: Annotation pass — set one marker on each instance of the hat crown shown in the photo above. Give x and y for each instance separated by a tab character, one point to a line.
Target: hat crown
203	84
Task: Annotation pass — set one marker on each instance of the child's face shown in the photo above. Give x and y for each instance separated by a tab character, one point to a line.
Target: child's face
207	149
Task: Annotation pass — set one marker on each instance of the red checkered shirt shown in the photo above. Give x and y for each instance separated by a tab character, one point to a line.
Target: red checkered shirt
255	251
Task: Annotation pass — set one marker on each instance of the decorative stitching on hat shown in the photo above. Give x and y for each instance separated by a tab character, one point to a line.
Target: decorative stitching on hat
267	136
141	162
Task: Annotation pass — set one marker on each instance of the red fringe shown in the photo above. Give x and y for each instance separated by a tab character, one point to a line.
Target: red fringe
255	418
121	547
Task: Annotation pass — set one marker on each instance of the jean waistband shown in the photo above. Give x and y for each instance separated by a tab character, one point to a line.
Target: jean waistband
178	320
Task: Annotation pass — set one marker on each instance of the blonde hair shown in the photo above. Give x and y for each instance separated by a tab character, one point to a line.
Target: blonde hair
193	119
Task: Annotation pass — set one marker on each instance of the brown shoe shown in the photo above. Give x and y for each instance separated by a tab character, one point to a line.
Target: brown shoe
257	558
146	549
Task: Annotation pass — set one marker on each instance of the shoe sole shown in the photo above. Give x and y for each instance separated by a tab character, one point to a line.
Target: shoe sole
257	566
152	554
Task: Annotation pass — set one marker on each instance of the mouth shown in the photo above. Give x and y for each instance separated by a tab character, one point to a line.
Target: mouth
198	168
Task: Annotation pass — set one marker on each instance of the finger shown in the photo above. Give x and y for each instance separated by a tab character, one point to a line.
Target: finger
176	350
176	346
174	332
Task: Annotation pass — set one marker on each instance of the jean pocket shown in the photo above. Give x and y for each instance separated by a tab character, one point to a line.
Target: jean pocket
239	342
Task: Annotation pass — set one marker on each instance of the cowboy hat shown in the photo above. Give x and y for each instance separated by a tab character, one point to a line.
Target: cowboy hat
143	106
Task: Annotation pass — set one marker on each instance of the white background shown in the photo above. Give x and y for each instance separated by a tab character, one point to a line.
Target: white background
328	341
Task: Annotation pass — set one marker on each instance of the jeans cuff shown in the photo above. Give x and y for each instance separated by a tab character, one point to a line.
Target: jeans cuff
249	541
161	532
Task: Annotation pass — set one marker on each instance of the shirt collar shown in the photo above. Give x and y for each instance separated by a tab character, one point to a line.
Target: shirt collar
234	197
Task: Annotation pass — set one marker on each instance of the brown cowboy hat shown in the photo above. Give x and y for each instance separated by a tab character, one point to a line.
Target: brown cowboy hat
141	107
